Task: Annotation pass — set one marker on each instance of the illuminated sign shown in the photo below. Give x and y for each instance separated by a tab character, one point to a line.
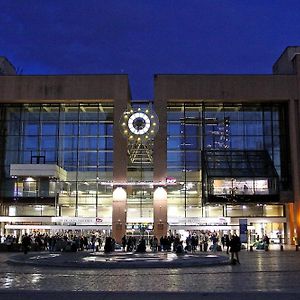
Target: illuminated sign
80	220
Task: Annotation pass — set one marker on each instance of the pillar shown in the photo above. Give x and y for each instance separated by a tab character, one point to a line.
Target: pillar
160	203
160	211
119	204
295	159
119	213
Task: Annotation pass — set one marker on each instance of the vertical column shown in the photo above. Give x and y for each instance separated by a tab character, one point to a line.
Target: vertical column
119	213
160	211
119	174
296	159
294	146
291	221
160	204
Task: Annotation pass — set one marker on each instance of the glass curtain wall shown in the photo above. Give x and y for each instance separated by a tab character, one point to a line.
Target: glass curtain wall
140	175
76	137
184	144
193	127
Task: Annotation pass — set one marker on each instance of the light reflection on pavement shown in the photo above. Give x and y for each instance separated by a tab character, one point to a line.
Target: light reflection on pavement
259	271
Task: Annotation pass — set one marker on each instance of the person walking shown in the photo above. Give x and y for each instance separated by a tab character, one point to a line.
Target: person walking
124	242
235	248
227	243
26	242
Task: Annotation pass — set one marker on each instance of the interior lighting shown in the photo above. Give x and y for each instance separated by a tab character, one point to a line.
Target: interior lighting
160	193
119	194
29	179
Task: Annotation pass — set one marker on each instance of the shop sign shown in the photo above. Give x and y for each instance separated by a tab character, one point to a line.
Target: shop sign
81	221
243	230
199	221
171	180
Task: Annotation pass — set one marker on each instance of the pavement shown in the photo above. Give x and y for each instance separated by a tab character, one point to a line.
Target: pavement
260	275
119	259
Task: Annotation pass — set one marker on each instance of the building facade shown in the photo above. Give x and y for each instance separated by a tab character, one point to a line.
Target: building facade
208	153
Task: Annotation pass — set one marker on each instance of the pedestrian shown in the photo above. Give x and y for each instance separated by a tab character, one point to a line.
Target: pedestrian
26	241
227	243
235	248
124	242
266	241
223	242
154	244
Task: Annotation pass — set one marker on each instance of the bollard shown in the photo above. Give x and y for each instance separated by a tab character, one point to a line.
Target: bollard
281	247
297	248
251	248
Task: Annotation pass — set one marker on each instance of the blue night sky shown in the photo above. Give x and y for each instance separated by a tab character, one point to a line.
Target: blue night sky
145	37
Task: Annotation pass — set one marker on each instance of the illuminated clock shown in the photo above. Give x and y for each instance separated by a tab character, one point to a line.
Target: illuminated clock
139	125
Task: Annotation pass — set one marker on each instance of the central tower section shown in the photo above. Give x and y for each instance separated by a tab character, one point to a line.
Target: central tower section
139	124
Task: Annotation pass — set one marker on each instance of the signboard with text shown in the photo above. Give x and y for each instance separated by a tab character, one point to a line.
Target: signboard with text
243	230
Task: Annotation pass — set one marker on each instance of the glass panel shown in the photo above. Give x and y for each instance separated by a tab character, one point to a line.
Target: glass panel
49	129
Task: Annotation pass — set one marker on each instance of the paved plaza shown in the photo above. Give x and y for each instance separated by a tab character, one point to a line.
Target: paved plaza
260	275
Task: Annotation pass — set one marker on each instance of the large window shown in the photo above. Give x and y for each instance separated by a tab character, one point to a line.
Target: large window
78	138
194	128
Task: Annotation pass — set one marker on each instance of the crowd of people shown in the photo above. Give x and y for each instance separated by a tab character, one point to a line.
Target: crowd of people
57	242
202	241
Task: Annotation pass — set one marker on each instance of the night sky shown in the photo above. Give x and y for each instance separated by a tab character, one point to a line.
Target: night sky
145	37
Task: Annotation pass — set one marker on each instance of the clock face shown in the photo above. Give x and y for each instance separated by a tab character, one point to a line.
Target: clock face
139	126
139	123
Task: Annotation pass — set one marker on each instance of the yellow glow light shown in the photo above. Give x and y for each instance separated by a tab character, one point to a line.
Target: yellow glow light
160	194
119	194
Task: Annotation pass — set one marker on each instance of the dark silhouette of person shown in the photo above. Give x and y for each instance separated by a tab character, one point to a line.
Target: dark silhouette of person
124	242
141	246
227	243
108	247
235	248
26	242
